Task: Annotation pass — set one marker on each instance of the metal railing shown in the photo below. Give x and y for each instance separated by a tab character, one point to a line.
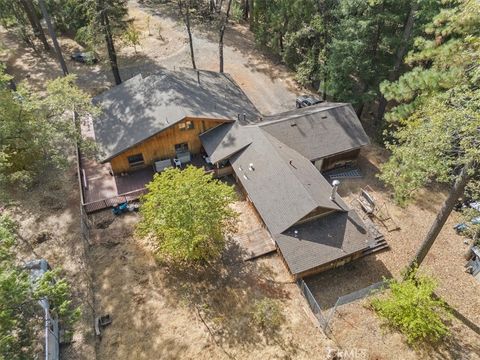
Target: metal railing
312	302
323	320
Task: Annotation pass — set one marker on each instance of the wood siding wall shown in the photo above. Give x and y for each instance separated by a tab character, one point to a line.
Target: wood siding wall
162	145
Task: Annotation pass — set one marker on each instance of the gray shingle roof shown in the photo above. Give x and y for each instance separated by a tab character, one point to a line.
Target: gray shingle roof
141	107
318	131
225	140
285	186
282	193
323	240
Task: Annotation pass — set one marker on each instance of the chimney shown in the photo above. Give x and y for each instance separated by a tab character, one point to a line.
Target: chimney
335	185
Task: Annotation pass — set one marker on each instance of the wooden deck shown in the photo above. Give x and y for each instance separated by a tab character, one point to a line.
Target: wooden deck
256	243
101	189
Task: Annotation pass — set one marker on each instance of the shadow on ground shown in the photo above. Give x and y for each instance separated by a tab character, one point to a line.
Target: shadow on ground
328	286
223	292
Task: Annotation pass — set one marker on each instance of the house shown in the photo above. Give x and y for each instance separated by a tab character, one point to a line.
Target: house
276	160
161	116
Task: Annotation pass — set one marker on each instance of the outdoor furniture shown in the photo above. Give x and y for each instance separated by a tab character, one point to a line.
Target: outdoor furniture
208	161
372	209
183	155
162	165
177	162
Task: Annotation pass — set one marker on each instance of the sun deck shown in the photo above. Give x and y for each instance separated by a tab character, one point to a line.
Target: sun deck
102	189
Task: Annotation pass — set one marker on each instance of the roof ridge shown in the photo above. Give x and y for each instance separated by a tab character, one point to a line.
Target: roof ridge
267	135
299	114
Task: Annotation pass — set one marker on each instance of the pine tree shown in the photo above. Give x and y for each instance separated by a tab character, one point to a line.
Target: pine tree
361	54
435	128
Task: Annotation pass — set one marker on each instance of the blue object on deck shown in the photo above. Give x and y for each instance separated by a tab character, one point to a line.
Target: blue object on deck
460	227
120	208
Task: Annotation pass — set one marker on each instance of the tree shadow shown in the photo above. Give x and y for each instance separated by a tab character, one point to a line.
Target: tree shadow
223	293
458	345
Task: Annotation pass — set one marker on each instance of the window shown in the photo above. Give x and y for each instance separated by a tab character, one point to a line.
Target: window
136	160
187	125
180	148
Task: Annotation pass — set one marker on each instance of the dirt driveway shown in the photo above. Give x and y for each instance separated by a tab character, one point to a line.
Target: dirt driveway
270	86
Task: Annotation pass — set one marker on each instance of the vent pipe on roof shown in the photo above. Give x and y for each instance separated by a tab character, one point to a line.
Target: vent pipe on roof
250	167
238	116
335	185
244	117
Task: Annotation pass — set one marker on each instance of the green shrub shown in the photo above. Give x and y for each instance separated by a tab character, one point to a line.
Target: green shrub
267	315
411	308
237	11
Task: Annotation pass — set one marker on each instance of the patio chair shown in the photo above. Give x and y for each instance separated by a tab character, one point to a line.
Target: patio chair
177	162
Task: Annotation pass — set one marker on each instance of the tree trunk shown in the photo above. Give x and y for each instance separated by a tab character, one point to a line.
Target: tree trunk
186	19
35	22
251	8
51	31
245	10
402	50
325	79
220	5
359	110
455	193
112	54
222	33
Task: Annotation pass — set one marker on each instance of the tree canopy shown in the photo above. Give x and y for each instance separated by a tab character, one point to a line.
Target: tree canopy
188	214
434	131
36	130
21	318
411	307
344	49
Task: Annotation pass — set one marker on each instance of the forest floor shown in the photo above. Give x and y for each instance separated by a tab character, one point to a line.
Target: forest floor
160	314
195	313
355	323
49	228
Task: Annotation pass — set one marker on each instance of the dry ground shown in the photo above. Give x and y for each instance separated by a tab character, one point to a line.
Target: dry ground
185	313
271	88
154	315
357	326
50	229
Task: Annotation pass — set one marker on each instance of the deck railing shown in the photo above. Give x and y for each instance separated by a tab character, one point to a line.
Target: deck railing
114	200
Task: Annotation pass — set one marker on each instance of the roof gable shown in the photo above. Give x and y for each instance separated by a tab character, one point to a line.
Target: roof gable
142	107
282	194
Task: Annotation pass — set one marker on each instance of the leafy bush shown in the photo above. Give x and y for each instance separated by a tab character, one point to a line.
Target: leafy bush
411	308
188	214
267	315
132	36
237	11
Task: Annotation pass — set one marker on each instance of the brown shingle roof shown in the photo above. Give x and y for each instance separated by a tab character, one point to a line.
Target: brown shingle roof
318	131
323	240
